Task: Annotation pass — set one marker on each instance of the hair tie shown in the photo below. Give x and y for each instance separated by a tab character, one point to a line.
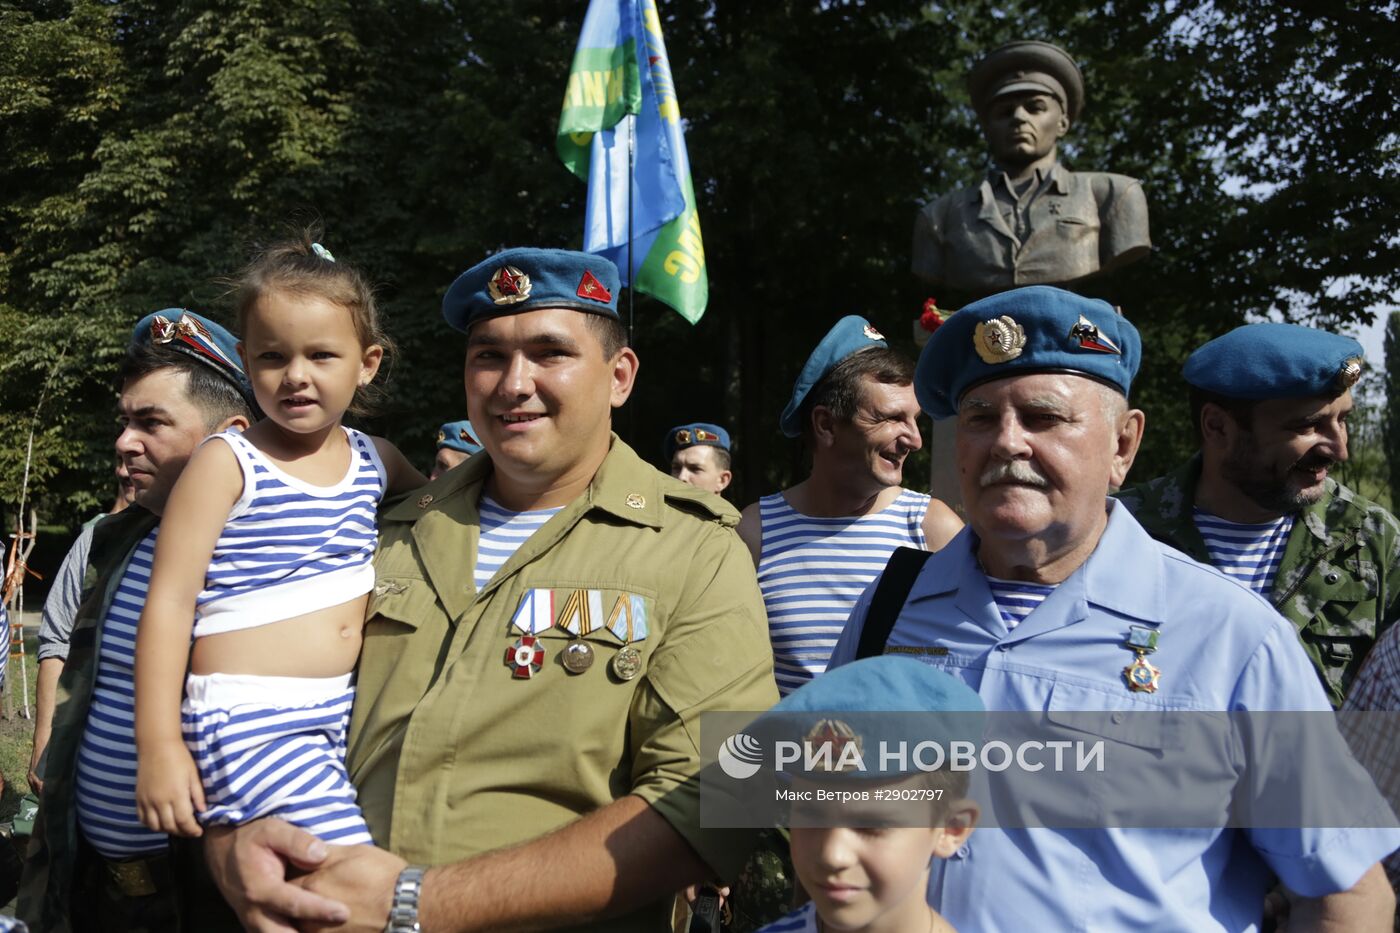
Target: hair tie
321	251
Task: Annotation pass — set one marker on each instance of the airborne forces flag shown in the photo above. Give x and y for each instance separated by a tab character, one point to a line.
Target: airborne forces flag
620	90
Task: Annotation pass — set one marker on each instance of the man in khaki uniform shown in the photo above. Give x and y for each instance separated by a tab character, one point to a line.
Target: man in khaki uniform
550	621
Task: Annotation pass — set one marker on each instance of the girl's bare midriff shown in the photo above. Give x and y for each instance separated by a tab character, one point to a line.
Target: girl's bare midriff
324	643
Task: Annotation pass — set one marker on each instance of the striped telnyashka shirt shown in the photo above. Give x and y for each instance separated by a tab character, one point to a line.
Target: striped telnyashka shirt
812	570
106	784
1015	599
502	533
289	547
1249	554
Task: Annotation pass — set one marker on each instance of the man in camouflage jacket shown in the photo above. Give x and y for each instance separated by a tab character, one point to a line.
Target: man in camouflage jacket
1270	404
1339	578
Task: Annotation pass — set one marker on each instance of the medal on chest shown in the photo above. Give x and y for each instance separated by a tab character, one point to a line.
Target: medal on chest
525	657
1142	675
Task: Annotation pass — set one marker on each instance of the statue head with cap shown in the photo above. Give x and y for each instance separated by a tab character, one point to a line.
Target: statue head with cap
547	362
1270	404
1026	94
1038	381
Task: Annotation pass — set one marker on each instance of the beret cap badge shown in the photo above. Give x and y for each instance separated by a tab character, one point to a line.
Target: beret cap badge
999	340
836	735
1087	333
870	331
508	286
1349	373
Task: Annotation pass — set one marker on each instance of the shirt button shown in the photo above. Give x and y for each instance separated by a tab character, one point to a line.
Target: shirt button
1117	718
962	852
1333	577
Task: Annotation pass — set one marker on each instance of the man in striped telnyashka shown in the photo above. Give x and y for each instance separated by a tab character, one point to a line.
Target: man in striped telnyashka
817	544
92	865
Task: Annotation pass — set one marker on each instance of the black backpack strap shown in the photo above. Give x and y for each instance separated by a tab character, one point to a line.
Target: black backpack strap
891	592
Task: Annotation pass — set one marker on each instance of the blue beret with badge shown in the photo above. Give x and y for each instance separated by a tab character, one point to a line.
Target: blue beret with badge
459	435
199	338
528	279
696	434
851	334
1035	329
853	703
1263	361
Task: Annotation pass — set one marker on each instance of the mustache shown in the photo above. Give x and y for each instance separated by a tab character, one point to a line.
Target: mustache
1012	471
1311	462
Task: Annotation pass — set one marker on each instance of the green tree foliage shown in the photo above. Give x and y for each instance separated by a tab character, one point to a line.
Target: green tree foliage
146	145
1390	432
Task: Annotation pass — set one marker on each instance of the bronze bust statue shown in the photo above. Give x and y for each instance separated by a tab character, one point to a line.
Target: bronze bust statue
1031	221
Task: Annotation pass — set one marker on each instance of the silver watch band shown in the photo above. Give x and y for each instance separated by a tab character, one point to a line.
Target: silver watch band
403	911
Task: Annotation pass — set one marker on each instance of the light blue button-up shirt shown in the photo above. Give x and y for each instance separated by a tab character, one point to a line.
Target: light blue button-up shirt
1220	648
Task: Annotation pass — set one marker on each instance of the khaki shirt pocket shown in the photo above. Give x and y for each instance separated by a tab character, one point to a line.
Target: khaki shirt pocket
400	599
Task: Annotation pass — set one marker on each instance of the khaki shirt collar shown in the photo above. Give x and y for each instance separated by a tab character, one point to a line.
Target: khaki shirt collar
447	521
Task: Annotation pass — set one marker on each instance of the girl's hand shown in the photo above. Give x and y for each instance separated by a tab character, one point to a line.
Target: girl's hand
168	790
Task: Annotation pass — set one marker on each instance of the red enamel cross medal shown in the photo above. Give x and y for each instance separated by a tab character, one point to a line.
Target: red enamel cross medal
525	657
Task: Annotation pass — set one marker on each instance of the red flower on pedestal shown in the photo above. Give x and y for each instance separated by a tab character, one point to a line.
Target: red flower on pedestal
931	319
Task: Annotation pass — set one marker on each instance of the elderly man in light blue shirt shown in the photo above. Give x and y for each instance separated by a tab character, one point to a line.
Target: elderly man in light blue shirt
1055	599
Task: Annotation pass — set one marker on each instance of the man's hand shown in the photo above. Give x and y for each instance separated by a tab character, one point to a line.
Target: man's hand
169	791
250	864
361	877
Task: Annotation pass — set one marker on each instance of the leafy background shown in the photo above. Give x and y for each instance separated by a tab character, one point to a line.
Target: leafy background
145	147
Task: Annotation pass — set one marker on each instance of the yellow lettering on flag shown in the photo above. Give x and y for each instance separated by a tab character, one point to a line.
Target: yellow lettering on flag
594	91
688	261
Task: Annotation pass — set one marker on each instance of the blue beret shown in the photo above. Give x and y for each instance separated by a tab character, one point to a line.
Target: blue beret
851	334
458	435
199	338
696	434
1025	330
1261	361
846	703
527	279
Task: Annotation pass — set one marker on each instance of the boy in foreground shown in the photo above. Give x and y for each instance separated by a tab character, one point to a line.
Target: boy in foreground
865	861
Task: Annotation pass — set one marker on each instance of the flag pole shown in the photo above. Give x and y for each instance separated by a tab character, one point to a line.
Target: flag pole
631	183
631	274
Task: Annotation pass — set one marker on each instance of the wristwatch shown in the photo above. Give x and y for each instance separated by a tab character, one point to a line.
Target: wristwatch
403	911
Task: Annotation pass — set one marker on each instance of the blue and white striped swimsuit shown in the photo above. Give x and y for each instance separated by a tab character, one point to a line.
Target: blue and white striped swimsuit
275	746
289	547
812	570
106	780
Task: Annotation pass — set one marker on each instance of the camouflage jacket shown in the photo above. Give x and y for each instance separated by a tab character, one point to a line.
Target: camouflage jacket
1338	581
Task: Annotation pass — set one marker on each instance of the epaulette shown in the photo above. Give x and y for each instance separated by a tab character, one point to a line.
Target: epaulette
701	503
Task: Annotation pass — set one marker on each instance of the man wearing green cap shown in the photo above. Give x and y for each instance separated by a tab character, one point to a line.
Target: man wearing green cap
1270	404
550	620
1030	221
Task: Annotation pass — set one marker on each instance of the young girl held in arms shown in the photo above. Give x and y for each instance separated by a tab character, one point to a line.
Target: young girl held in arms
265	552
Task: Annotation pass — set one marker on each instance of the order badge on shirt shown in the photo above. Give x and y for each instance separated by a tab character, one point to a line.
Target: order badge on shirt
578	614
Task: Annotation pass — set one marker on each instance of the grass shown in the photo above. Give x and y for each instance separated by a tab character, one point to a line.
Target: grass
17	732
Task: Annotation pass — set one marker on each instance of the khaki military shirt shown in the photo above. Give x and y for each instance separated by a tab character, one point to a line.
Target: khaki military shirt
454	756
1338	581
1078	223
